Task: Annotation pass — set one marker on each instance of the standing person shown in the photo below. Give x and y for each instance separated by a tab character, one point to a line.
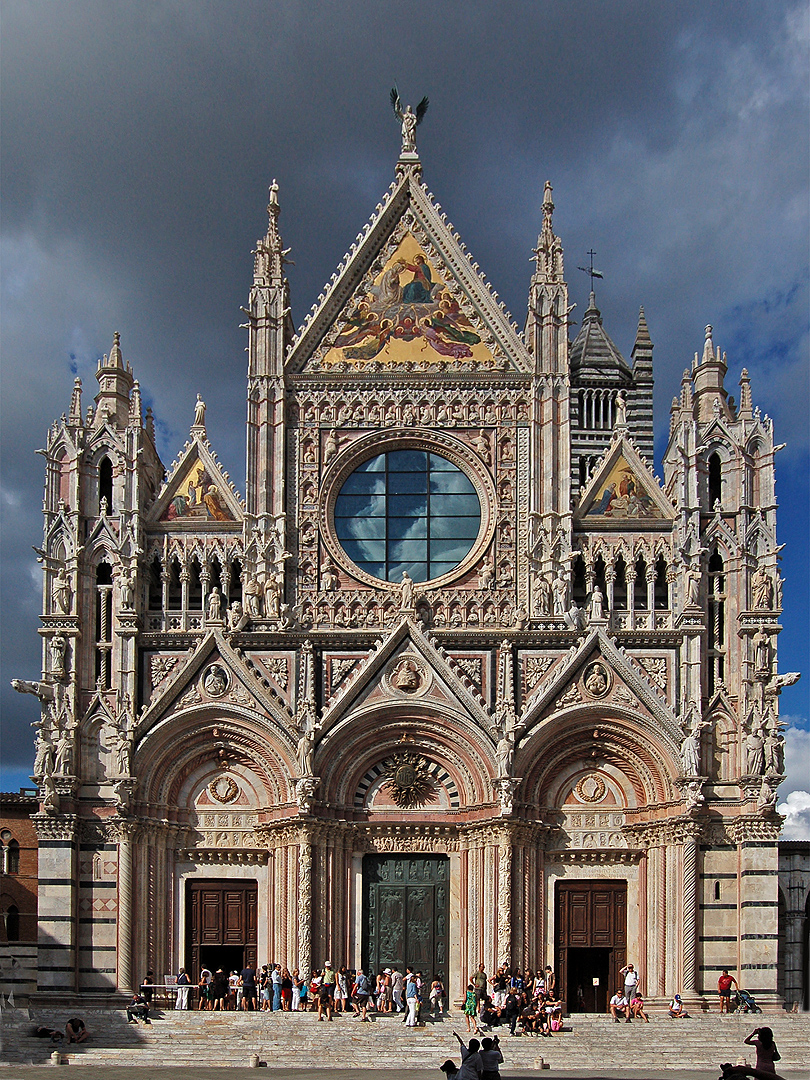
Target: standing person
511	1010
397	986
219	991
264	989
550	979
286	990
247	979
204	986
275	983
183	984
491	1058
631	981
471	1064
724	990
767	1054
387	992
326	991
297	983
362	989
471	1010
411	998
479	981
147	988
342	990
500	984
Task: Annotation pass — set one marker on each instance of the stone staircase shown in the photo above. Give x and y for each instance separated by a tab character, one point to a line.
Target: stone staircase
297	1040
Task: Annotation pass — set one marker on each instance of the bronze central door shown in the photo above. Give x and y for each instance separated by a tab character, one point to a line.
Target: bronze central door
406	913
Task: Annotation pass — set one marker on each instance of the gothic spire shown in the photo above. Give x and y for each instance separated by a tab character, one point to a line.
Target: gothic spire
268	266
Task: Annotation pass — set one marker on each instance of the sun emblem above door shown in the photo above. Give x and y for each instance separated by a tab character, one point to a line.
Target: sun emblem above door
409	782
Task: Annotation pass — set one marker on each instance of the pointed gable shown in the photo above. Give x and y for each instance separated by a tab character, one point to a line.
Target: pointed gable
408	294
622	489
197	492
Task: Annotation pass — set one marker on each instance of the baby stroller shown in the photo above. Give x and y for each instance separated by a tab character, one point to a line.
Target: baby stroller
745	1003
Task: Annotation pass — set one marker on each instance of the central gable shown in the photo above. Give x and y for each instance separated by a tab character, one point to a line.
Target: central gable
404	312
408	297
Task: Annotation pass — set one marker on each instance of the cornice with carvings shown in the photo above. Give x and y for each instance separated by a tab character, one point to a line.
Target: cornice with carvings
55	827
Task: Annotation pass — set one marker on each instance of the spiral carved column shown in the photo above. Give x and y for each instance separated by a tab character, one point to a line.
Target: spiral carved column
690	914
125	905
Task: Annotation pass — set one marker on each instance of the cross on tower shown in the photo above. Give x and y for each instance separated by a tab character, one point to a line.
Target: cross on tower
589	270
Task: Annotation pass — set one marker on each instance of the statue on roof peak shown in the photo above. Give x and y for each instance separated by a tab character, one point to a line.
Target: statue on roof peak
410	120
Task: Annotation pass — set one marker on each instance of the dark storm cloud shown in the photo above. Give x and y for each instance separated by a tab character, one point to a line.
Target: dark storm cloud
139	139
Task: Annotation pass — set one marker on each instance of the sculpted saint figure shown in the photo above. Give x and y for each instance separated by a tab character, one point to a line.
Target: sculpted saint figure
61	592
125	591
64	753
762	589
306	750
481	444
215	605
559	588
43	761
58	649
504	754
272	596
253	601
597	604
755	751
199	412
693	587
621	409
406	592
330	447
329	578
544	595
690	749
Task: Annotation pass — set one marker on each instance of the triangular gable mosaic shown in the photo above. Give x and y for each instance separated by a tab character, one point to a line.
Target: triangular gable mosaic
623	489
404	312
197	492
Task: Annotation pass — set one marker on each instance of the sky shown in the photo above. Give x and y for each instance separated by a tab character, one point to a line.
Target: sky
139	140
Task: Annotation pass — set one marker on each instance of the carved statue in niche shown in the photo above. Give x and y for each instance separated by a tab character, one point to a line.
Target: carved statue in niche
215	681
755	749
504	753
61	592
774	748
330	448
767	796
559	589
481	444
690	747
543	594
64	753
486	575
596	680
407	676
215	605
406	592
762	590
329	578
236	616
43	759
126	592
693	577
306	751
253	601
272	596
597	611
762	659
58	650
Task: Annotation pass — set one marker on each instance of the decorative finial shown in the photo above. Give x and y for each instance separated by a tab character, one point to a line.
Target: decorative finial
708	346
115	351
410	121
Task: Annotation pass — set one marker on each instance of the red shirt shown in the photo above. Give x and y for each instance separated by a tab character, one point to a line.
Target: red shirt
724	982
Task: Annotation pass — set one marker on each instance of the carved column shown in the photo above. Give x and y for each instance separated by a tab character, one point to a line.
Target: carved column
504	946
689	877
123	834
305	905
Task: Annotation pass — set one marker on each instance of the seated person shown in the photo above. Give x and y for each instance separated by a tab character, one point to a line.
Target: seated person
637	1008
488	1015
75	1030
620	1005
676	1009
138	1010
529	1019
553	1011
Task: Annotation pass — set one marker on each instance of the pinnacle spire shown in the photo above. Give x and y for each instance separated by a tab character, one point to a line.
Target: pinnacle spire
549	252
268	264
116	360
642	333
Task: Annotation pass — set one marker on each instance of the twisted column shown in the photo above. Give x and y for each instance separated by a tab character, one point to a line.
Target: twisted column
690	914
125	909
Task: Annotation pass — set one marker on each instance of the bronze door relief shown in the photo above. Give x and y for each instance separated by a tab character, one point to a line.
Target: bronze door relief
406	913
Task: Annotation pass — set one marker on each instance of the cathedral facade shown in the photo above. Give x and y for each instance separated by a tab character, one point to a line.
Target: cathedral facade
458	680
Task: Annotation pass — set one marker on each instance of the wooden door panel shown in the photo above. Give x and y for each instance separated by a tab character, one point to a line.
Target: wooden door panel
590	915
221	913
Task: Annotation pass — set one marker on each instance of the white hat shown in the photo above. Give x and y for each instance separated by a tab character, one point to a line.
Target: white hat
388	971
328	963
